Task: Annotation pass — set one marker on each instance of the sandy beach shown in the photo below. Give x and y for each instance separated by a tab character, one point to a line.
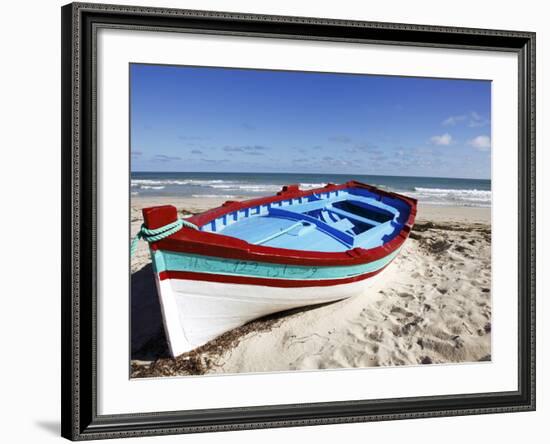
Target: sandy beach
432	305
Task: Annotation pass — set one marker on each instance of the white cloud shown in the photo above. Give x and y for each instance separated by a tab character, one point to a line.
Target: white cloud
453	120
444	139
481	143
473	119
476	120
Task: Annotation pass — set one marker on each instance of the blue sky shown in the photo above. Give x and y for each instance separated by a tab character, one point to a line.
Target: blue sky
236	120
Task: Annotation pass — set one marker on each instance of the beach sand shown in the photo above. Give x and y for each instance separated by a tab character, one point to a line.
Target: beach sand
432	305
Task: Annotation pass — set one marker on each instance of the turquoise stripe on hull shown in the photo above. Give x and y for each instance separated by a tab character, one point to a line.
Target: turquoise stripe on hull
172	261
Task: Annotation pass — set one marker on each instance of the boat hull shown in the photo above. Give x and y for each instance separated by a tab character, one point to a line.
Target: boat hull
213	277
196	312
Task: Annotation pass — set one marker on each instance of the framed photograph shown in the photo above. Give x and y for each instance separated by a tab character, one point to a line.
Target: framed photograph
280	221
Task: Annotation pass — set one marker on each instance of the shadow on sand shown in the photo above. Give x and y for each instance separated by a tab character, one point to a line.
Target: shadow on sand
148	341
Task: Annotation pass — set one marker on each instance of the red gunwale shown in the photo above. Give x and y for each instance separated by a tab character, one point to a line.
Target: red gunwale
191	241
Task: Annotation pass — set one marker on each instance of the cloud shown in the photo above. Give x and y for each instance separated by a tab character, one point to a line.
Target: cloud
191	138
136	153
473	119
453	120
396	163
244	149
165	158
340	139
363	148
331	161
444	139
214	161
378	157
481	143
427	152
476	120
196	151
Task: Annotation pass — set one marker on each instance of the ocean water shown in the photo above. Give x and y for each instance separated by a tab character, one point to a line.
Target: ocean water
430	190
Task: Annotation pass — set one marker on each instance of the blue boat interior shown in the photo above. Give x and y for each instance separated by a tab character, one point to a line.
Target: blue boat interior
331	221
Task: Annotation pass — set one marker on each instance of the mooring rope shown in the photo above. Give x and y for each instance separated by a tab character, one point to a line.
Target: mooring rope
156	234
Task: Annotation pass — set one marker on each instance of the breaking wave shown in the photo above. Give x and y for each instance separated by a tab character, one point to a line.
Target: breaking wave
434	191
215	184
462	197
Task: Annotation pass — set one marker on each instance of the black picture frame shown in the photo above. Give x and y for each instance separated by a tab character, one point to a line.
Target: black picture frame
79	208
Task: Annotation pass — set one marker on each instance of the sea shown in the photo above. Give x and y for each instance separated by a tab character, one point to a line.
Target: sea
428	190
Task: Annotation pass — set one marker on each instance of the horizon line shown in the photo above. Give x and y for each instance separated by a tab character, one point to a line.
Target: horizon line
286	172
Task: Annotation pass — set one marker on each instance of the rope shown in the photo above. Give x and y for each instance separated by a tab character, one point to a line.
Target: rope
157	234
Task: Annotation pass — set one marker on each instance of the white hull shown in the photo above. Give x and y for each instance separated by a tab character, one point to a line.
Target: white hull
196	312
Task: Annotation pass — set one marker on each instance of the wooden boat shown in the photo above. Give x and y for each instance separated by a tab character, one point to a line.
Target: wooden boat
220	269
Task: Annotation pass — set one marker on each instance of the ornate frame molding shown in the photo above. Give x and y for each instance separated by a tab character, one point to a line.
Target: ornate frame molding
80	22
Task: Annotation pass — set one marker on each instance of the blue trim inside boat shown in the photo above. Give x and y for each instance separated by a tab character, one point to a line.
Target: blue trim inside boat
331	221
